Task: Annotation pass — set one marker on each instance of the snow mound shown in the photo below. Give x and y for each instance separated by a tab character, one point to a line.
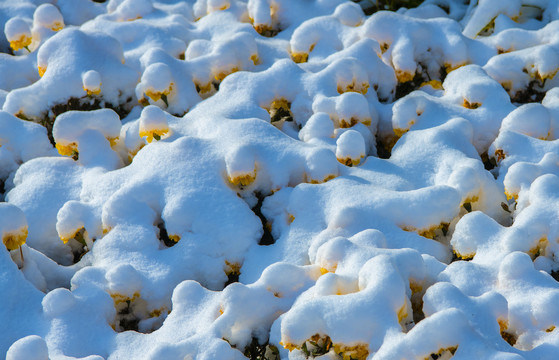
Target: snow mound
279	179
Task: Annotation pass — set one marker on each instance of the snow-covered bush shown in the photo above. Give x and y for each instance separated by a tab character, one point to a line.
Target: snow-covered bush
279	179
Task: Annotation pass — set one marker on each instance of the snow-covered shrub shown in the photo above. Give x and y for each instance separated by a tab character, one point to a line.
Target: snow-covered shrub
61	62
18	33
279	179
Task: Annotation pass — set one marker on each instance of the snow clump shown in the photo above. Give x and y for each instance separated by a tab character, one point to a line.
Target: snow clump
286	179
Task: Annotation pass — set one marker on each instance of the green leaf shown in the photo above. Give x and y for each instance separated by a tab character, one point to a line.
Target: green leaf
164	98
305	350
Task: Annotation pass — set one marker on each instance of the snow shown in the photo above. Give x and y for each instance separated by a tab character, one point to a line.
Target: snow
350	148
153	123
212	179
31	347
18	33
92	82
64	57
48	16
13	226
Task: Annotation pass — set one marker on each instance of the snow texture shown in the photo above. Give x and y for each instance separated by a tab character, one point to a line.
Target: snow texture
279	179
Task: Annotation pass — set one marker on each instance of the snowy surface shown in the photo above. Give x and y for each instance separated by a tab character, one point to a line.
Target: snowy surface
279	179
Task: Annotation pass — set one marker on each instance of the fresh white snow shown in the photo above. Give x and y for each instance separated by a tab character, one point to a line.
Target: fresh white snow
279	179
